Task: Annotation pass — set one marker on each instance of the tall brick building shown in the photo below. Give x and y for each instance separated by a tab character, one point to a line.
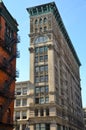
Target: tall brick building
54	71
8	54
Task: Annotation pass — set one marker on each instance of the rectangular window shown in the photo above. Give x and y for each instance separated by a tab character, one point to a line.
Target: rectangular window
17	115
36	59
47	112
36	112
45	48
46	78
41	68
46	99
23	126
46	68
36	50
41	49
36	79
45	57
24	102
37	69
42	127
46	89
18	102
37	100
37	90
37	127
41	100
18	91
24	90
42	79
24	115
41	112
41	58
42	89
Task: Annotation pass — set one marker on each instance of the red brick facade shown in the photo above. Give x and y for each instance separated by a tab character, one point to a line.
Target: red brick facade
8	54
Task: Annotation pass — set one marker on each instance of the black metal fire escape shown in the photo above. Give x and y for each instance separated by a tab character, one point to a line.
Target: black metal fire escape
6	65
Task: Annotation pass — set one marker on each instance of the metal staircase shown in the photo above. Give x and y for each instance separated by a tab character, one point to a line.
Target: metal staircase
8	68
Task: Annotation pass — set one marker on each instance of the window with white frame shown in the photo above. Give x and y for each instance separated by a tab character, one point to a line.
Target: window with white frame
24	102
24	90
24	114
18	102
18	91
17	115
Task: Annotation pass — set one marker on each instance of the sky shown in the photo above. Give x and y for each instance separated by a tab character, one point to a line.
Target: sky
73	13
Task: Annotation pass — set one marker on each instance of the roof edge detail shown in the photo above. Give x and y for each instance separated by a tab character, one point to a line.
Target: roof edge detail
51	7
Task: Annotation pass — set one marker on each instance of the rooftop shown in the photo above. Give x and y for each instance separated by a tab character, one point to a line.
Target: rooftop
51	7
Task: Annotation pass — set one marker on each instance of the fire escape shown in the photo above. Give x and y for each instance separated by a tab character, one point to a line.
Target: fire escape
8	67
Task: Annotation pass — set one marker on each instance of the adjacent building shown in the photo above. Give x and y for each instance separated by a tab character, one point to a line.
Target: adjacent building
84	111
24	91
8	54
54	71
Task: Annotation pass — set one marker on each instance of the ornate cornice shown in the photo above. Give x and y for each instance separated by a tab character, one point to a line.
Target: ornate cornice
51	8
7	16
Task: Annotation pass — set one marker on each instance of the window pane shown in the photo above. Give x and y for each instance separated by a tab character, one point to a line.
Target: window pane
36	21
46	57
46	67
36	59
37	127
45	20
17	115
24	113
36	112
41	100
18	102
40	21
46	99
46	89
37	90
18	91
23	126
41	114
41	49
42	79
42	89
41	58
45	48
36	79
41	68
47	112
37	69
46	78
24	91
37	100
36	50
24	102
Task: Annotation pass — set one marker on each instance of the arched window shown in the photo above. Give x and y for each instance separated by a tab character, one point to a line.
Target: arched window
41	29
36	21
36	30
45	28
40	21
41	39
45	20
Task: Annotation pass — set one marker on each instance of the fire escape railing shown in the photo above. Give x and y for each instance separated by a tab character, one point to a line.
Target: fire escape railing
6	65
